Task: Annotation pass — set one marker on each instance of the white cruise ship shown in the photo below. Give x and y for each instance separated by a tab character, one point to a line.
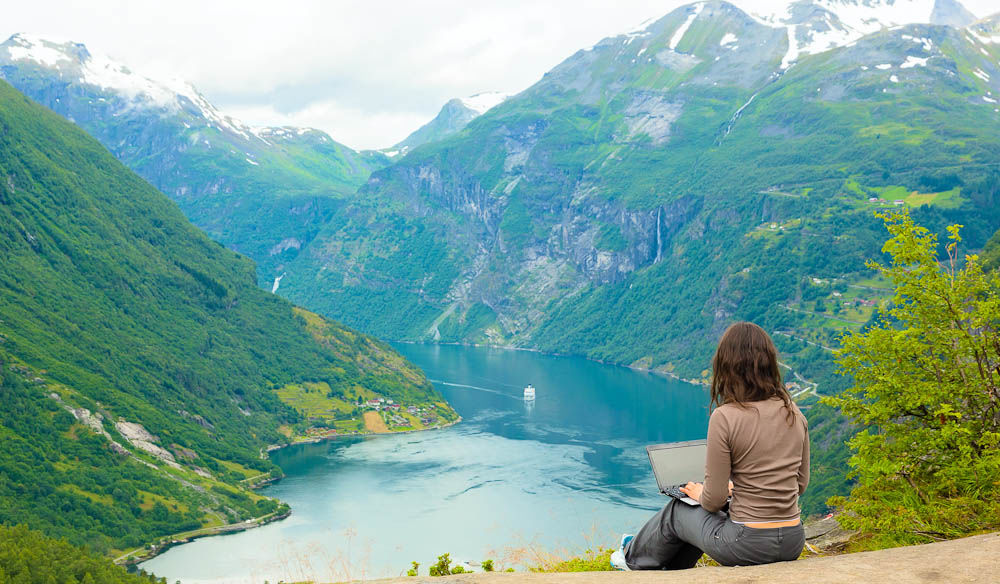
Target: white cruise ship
529	393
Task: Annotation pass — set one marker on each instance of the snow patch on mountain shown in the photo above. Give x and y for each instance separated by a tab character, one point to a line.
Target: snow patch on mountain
927	44
912	61
483	102
679	35
819	41
989	40
728	39
868	16
26	47
792	54
814	26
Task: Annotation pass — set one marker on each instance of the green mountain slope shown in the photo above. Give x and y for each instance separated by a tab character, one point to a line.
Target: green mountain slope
143	369
655	187
453	117
261	191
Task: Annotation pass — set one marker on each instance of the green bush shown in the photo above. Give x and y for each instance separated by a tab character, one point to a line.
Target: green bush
598	560
927	461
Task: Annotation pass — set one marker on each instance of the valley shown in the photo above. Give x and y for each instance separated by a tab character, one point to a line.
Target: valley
208	326
141	364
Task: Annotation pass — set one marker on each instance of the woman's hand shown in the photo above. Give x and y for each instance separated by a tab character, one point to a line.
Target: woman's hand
693	490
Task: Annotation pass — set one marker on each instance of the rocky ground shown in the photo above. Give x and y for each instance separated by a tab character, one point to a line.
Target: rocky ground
969	560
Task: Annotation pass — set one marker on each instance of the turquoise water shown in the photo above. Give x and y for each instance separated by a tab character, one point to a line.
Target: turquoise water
510	481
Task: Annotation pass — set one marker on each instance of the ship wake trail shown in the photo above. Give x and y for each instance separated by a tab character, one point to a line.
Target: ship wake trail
476	387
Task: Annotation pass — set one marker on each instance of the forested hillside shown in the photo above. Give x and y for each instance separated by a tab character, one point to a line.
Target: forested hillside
28	557
143	369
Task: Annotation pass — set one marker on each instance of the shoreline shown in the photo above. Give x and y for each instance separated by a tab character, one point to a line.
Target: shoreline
132	559
273	447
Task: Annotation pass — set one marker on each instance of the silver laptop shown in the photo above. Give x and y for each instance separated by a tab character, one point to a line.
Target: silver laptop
676	463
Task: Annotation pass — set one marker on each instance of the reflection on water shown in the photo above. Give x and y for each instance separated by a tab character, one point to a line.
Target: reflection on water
566	471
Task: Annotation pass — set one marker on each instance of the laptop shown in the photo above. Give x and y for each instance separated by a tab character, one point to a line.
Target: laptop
677	463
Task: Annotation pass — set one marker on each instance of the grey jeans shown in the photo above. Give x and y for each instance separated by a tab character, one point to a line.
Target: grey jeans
676	536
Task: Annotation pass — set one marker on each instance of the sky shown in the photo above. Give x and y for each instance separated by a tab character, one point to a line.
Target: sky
367	72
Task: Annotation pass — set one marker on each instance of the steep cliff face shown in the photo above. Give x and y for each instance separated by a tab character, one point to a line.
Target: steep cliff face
658	185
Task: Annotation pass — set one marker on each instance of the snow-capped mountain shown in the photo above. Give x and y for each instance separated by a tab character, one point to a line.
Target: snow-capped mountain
76	65
454	116
261	191
814	26
868	16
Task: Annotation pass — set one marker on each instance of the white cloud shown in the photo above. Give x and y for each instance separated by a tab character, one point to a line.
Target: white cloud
366	72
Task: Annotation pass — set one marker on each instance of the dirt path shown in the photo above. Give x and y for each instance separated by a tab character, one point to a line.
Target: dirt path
971	560
375	423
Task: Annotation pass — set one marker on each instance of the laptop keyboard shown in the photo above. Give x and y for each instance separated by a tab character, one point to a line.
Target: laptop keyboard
675	492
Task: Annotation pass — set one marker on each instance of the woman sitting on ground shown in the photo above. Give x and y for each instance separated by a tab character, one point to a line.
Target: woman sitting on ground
758	453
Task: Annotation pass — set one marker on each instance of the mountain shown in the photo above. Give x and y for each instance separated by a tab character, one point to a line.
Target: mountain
453	117
261	191
987	30
142	371
654	187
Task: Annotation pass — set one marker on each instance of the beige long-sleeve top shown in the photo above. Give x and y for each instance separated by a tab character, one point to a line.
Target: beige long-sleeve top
766	458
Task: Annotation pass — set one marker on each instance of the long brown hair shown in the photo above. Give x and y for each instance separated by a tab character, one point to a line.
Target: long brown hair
745	368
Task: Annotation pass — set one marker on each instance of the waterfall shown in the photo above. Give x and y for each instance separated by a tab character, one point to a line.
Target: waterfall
277	282
659	240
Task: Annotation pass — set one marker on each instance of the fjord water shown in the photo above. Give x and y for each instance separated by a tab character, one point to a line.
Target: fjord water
563	474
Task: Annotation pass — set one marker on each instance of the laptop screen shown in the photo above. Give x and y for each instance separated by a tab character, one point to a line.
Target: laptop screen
678	462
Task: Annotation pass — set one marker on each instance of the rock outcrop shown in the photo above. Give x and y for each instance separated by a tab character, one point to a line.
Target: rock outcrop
971	560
